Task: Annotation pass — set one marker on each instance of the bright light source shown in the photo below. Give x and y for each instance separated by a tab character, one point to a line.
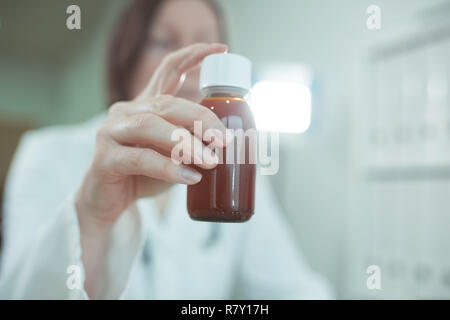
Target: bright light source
281	106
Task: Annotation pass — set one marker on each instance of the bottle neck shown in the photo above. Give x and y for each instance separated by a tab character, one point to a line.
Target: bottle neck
224	91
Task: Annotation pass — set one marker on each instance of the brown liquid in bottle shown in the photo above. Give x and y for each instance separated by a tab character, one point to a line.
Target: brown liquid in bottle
227	192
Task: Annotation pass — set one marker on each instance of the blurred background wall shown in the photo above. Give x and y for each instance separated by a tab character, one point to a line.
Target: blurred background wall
50	75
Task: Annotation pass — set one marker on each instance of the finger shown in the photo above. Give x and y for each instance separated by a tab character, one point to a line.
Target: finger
146	187
180	112
129	161
166	78
153	131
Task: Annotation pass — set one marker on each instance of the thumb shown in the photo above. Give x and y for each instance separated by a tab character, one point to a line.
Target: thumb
171	71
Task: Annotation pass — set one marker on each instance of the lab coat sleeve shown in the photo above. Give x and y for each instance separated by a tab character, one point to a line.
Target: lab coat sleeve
271	264
41	258
47	265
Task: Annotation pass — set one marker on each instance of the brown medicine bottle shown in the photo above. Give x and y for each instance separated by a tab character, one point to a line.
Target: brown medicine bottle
227	192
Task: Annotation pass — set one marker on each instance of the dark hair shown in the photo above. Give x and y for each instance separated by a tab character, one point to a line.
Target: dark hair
128	41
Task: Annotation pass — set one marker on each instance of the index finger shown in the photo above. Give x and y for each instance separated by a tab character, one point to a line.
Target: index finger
167	76
180	112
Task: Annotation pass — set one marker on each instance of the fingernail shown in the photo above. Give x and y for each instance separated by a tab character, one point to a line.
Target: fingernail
210	158
219	139
198	155
190	176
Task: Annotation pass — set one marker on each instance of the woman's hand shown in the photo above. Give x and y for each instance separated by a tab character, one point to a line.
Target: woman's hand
132	154
133	147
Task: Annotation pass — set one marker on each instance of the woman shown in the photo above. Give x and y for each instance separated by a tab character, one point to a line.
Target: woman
98	210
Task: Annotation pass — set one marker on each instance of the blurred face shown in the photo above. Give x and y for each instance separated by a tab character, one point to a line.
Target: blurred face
178	23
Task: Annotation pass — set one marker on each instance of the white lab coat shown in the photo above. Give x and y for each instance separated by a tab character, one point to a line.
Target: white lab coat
150	257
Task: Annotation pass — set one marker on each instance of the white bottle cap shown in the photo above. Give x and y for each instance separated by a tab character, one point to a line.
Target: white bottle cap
226	69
